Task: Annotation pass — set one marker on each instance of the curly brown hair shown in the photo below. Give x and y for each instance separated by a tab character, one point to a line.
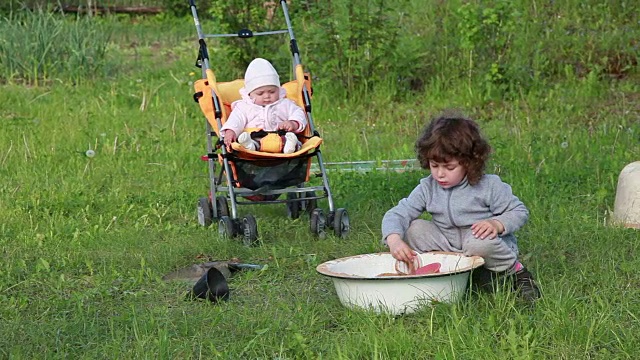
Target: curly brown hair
451	136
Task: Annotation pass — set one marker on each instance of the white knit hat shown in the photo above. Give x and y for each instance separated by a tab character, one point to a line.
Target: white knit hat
259	73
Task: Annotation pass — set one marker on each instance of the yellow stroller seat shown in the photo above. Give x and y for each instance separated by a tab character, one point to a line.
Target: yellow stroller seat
229	92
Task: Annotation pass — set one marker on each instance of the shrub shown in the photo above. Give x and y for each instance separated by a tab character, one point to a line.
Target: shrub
353	42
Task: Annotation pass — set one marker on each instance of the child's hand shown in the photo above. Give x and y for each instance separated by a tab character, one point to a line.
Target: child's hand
487	228
288	125
399	249
229	137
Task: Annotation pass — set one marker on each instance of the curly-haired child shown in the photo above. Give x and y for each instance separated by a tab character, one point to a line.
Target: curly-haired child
472	213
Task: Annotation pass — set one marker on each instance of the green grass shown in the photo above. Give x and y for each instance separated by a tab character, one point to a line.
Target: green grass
85	241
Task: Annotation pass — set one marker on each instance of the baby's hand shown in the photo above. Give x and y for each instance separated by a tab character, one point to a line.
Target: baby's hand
229	137
288	125
487	228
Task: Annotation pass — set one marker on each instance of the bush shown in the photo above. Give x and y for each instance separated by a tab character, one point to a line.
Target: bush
499	49
181	8
352	43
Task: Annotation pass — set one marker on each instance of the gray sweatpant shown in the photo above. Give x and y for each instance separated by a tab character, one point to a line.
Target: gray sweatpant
499	254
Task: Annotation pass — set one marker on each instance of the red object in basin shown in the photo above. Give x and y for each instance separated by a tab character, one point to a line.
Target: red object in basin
428	269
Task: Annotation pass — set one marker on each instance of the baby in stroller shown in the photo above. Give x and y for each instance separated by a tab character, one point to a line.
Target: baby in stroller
264	106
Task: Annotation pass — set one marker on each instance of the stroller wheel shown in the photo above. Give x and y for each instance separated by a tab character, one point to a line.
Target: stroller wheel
293	206
318	223
205	217
341	223
250	230
226	230
223	206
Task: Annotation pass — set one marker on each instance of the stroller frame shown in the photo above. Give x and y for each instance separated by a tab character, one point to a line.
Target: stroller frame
225	191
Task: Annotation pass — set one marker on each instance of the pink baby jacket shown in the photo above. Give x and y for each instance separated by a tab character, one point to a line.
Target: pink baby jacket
245	114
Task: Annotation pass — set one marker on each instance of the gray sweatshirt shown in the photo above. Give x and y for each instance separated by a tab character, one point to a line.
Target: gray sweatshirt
458	207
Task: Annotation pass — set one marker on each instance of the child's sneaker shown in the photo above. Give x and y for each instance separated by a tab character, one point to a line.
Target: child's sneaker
522	282
483	280
290	144
246	142
525	285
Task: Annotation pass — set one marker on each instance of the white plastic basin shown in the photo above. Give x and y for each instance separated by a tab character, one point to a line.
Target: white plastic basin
365	281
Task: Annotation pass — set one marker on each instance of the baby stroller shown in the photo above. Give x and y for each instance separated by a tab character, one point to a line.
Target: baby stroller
245	177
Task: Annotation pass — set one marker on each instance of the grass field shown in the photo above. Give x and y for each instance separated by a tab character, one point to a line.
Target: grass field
85	241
